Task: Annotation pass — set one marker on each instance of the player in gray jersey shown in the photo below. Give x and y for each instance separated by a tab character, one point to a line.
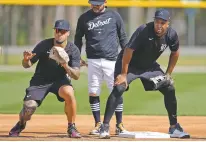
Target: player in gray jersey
104	32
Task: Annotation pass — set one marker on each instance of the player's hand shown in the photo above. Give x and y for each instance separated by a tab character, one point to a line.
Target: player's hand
168	76
64	65
121	79
83	63
28	55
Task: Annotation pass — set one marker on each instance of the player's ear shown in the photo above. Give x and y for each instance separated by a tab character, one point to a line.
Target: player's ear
168	24
68	33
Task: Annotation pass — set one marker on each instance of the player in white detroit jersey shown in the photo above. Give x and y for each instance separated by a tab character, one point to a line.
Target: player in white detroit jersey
104	31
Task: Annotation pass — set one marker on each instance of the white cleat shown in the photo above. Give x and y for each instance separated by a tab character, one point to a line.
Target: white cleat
177	132
96	130
120	129
104	131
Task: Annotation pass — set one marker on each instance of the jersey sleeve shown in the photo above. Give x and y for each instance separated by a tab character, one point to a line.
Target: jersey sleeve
79	33
173	41
37	50
121	30
134	42
74	57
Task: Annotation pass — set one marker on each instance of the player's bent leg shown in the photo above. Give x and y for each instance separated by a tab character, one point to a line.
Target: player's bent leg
67	93
111	105
119	109
170	101
113	101
108	69
28	109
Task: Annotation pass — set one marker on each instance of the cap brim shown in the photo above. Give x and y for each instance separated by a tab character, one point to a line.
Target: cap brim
61	28
96	3
159	17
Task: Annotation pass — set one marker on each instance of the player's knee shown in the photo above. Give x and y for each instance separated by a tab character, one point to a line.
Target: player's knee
68	96
171	88
119	89
67	93
30	103
28	109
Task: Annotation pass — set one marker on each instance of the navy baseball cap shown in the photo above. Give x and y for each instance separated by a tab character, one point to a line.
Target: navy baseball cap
162	14
62	24
97	2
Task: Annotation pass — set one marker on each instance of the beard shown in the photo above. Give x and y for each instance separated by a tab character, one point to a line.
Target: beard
160	31
98	10
59	42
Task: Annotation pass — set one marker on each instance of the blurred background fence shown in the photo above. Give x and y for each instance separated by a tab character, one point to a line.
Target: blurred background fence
24	23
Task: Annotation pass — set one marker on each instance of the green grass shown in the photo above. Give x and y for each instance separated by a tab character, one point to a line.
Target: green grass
190	89
11	59
185	60
163	60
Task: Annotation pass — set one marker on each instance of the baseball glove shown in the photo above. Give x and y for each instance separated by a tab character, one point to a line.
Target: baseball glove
59	55
162	81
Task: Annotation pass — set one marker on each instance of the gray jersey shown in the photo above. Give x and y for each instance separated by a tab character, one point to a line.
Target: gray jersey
103	33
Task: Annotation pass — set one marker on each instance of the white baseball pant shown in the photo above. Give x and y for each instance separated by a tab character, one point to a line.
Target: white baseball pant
100	70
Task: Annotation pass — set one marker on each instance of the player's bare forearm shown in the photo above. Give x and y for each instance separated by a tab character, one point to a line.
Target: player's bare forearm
72	72
172	62
26	63
126	60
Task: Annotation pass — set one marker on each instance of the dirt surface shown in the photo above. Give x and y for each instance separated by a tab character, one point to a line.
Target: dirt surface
53	127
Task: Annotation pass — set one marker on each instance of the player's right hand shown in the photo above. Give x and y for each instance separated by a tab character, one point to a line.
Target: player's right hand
28	55
121	79
168	77
83	63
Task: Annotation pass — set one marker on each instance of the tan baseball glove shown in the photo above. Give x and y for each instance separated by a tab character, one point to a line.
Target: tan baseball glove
59	55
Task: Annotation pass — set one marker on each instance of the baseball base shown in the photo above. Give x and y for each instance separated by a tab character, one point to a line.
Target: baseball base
145	134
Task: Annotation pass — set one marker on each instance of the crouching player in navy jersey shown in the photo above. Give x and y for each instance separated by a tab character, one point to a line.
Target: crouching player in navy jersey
138	60
51	77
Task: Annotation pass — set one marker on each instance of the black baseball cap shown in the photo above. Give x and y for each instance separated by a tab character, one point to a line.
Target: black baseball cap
162	14
62	24
97	2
